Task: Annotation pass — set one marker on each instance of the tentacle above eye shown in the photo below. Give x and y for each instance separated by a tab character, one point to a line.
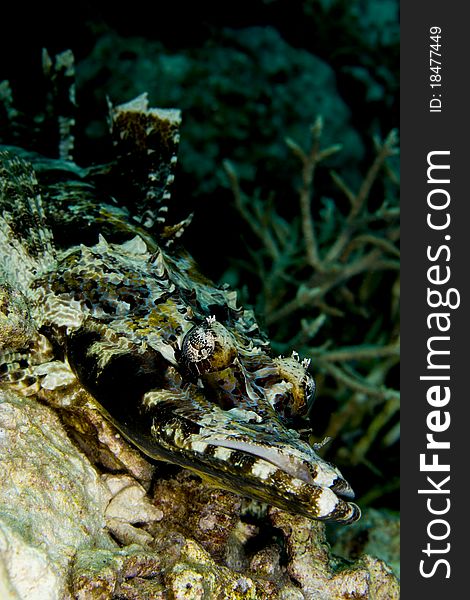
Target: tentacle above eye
295	395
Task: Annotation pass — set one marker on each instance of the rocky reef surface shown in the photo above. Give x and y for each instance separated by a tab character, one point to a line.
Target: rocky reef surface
68	530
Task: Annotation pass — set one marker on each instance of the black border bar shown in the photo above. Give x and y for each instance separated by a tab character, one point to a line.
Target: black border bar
435	201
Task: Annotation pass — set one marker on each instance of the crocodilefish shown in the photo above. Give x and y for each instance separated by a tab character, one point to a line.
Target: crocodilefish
97	294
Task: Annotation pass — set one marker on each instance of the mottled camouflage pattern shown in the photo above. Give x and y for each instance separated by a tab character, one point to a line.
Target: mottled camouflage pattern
97	296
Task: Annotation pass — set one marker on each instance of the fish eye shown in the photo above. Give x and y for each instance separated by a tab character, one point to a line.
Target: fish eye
211	343
198	344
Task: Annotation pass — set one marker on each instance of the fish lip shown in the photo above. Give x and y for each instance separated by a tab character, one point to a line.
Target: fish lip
292	465
305	483
342	489
308	498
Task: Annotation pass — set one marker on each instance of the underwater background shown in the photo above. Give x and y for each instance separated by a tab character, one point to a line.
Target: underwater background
288	161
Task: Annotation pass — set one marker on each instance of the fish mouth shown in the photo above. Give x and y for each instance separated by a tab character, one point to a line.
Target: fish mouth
311	487
248	454
322	473
290	476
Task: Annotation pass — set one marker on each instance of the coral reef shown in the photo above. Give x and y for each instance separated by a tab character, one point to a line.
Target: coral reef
52	501
378	534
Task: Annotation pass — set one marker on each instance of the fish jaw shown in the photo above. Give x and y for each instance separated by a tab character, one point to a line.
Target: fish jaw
235	451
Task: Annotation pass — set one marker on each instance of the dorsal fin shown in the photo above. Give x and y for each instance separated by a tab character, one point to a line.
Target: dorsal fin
130	194
25	239
146	142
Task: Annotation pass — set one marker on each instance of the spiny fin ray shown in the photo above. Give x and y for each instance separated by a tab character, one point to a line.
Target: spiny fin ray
146	142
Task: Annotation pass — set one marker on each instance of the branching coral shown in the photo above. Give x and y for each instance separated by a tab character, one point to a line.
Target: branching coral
330	275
